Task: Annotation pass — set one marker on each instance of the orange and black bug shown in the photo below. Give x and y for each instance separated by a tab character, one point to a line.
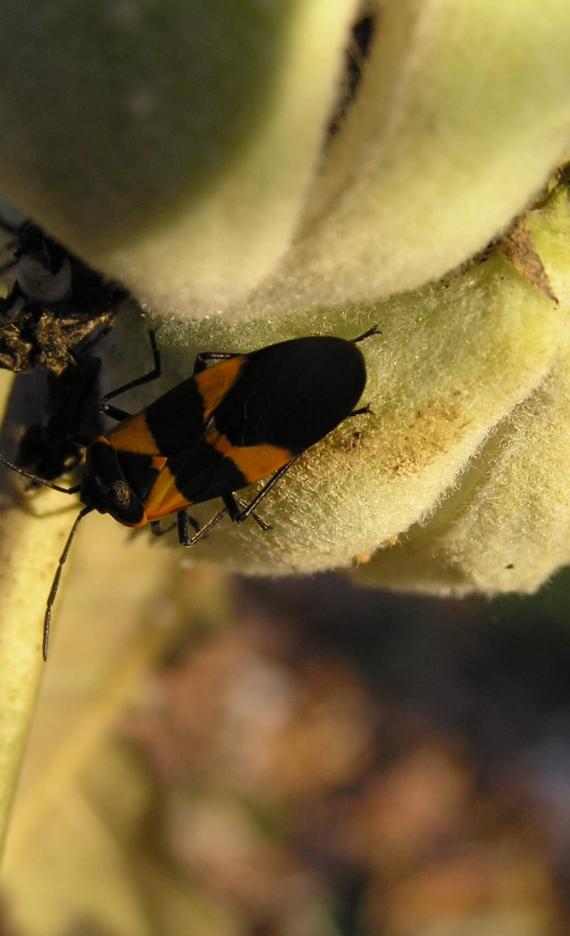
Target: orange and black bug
245	418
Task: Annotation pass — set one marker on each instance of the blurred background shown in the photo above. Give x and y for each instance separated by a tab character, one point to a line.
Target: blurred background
300	758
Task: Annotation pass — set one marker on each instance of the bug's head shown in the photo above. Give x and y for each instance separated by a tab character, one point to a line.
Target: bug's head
105	488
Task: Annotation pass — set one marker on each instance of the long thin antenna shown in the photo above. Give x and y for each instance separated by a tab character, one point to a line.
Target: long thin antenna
28	474
367	334
57	576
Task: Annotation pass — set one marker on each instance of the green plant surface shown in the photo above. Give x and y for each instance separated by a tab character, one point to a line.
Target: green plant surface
186	150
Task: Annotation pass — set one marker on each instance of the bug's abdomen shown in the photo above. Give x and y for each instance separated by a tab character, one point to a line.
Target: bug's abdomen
216	467
290	395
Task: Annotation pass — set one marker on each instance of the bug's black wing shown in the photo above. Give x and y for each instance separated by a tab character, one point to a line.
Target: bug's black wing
293	393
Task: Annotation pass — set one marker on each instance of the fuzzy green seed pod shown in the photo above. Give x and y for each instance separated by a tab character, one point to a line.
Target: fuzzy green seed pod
203	193
186	150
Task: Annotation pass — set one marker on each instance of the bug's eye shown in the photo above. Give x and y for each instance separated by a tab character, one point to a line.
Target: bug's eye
120	493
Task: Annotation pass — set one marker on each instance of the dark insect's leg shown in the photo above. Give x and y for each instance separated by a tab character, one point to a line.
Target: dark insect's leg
159	530
234	506
138	382
43	481
114	412
362	411
184	521
204	357
84	346
249	508
367	334
237	516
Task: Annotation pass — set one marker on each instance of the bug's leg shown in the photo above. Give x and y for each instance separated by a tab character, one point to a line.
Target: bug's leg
235	505
114	412
184	521
158	530
204	357
84	346
367	334
362	411
191	521
246	511
249	508
75	489
154	374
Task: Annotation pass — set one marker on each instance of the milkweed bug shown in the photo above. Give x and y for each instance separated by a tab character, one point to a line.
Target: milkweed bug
54	303
244	418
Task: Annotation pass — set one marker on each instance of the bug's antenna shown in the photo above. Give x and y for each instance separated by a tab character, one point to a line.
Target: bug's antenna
28	474
57	576
367	334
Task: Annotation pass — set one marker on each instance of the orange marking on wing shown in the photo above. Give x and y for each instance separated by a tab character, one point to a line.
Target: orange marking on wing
214	382
254	461
133	435
164	497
